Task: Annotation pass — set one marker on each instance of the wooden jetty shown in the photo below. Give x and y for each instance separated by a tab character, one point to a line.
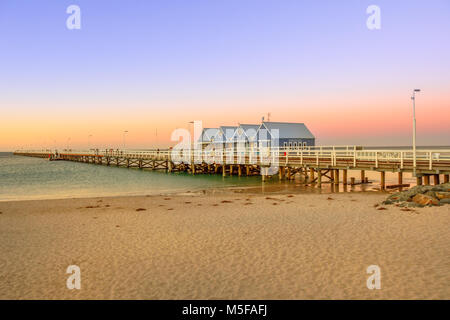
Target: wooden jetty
316	165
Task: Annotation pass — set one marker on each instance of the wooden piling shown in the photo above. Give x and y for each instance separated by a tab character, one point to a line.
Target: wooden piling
363	173
239	170
344	177
383	180
426	180
281	173
319	178
352	181
419	181
436	179
446	178
247	169
311	174
336	176
400	178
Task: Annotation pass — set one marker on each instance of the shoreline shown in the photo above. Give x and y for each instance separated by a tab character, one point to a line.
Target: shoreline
275	189
223	246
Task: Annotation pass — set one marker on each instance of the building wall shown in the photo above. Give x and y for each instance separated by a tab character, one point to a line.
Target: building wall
297	142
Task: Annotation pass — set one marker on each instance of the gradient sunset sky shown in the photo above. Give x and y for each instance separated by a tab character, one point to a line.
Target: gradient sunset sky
147	66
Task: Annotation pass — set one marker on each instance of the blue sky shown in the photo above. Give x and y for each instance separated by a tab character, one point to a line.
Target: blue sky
235	54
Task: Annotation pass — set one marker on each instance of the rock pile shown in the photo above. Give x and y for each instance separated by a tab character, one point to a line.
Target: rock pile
420	196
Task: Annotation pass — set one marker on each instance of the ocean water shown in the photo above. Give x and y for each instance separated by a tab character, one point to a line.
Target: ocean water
26	178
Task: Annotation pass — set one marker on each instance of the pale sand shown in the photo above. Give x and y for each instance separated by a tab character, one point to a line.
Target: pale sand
304	247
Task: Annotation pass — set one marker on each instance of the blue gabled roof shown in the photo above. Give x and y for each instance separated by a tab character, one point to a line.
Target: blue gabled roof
289	130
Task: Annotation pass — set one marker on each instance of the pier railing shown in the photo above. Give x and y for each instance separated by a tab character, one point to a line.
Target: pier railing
319	156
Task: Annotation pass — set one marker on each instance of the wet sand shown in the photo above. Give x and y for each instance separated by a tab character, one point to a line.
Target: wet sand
223	246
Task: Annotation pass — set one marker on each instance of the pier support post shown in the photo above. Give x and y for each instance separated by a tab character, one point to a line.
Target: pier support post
319	178
419	181
239	170
400	178
332	175
231	169
336	176
446	178
281	172
344	177
436	179
383	180
363	174
169	166
426	180
311	174
289	173
247	169
224	170
352	181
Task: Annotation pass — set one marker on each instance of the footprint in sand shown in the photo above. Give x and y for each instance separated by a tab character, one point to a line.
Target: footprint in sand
170	209
247	203
166	198
381	208
406	209
289	195
117	226
215	205
329	198
141	209
107	206
188	202
226	201
274	203
199	204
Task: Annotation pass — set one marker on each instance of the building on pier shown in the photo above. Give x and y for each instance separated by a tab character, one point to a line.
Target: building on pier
207	137
290	135
225	137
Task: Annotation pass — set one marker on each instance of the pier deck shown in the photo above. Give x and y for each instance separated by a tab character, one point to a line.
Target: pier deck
314	164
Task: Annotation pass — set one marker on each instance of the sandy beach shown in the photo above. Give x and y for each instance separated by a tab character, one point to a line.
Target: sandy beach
227	246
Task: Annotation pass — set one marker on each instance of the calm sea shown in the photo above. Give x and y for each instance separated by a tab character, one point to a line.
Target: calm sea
23	178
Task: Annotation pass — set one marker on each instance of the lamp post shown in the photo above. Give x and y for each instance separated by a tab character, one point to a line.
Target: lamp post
124	133
89	141
191	142
413	98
